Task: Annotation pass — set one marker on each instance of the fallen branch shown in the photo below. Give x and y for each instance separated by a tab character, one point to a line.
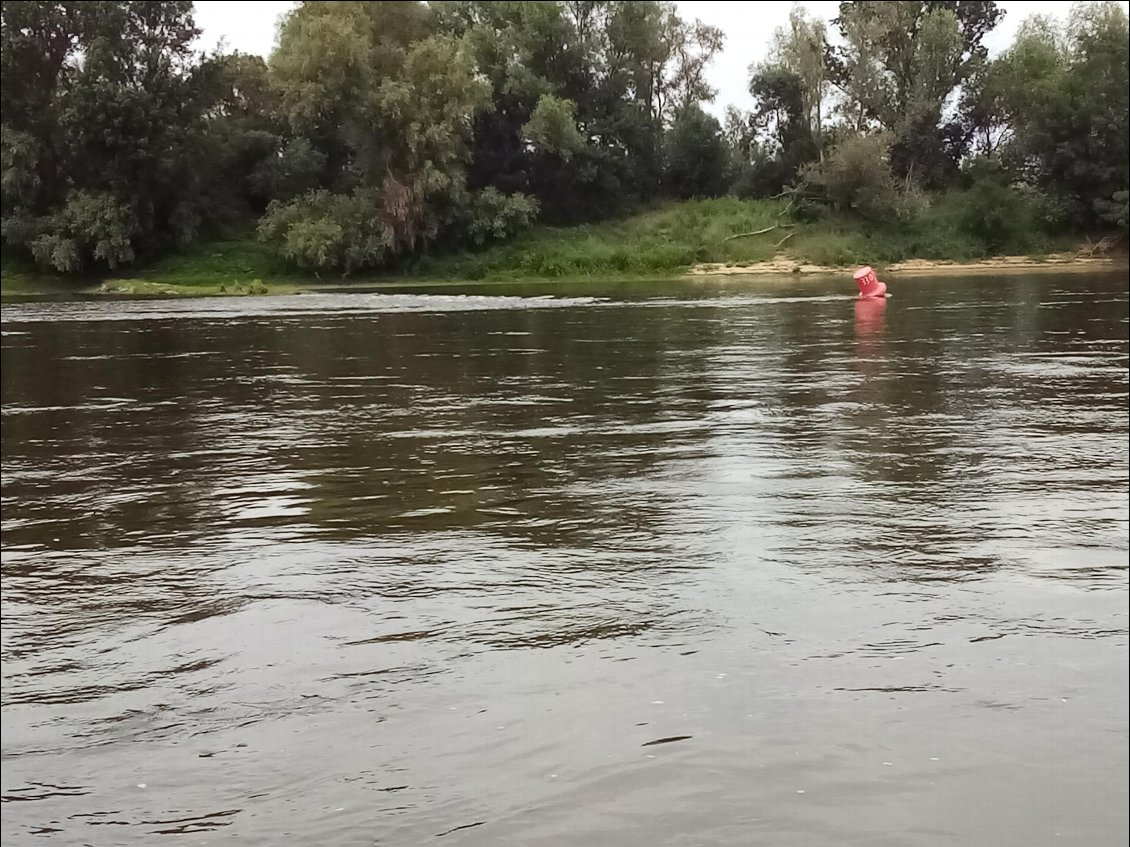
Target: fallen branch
783	240
1096	248
757	232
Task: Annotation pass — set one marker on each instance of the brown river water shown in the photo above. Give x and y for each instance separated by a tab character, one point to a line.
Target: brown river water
722	563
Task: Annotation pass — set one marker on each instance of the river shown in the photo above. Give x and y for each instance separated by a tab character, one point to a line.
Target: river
725	563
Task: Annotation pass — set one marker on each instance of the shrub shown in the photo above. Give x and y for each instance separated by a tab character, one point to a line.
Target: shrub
92	225
856	176
1000	213
492	215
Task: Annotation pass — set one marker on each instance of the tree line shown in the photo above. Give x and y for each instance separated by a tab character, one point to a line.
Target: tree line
376	132
902	99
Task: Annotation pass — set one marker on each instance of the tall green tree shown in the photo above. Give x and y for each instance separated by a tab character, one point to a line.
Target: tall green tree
801	49
781	119
621	70
898	63
38	43
1055	107
389	101
103	103
533	137
697	159
1029	72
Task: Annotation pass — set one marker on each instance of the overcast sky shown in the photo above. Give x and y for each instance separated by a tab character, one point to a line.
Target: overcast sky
250	27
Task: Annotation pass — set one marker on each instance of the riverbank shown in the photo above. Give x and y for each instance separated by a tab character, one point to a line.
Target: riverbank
996	265
726	236
22	284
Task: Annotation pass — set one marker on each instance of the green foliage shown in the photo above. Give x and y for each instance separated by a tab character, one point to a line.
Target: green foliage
856	176
666	240
106	131
234	262
382	135
324	230
697	159
1116	210
800	50
294	169
333	57
1003	213
658	243
92	225
898	63
386	105
250	161
781	121
19	179
1081	145
327	231
494	216
1055	108
628	68
552	127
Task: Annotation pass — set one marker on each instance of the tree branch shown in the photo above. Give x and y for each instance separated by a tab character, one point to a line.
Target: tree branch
783	240
757	232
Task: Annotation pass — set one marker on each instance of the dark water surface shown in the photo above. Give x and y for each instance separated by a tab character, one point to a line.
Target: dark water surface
715	564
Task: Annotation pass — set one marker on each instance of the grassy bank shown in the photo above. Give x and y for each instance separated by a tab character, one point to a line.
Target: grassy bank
671	239
660	242
235	267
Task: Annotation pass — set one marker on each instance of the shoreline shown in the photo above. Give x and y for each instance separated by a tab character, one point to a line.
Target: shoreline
1053	263
779	268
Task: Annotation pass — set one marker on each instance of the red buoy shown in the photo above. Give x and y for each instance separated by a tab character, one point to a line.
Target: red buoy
869	284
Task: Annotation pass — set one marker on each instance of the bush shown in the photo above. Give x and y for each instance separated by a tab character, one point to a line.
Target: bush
494	216
1003	214
325	230
552	127
1115	211
370	228
856	176
92	225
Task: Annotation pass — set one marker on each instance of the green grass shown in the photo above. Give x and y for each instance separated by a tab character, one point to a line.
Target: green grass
232	267
660	242
19	277
231	263
669	239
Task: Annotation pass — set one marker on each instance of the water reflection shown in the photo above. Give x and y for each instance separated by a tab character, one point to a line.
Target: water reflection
357	568
870	320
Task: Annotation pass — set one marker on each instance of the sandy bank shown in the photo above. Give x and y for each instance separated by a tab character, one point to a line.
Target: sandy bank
1058	263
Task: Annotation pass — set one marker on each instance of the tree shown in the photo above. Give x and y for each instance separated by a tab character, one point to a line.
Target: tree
1001	91
697	158
535	59
1064	98
624	69
999	211
552	127
693	46
899	63
38	42
800	50
389	102
781	122
104	121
